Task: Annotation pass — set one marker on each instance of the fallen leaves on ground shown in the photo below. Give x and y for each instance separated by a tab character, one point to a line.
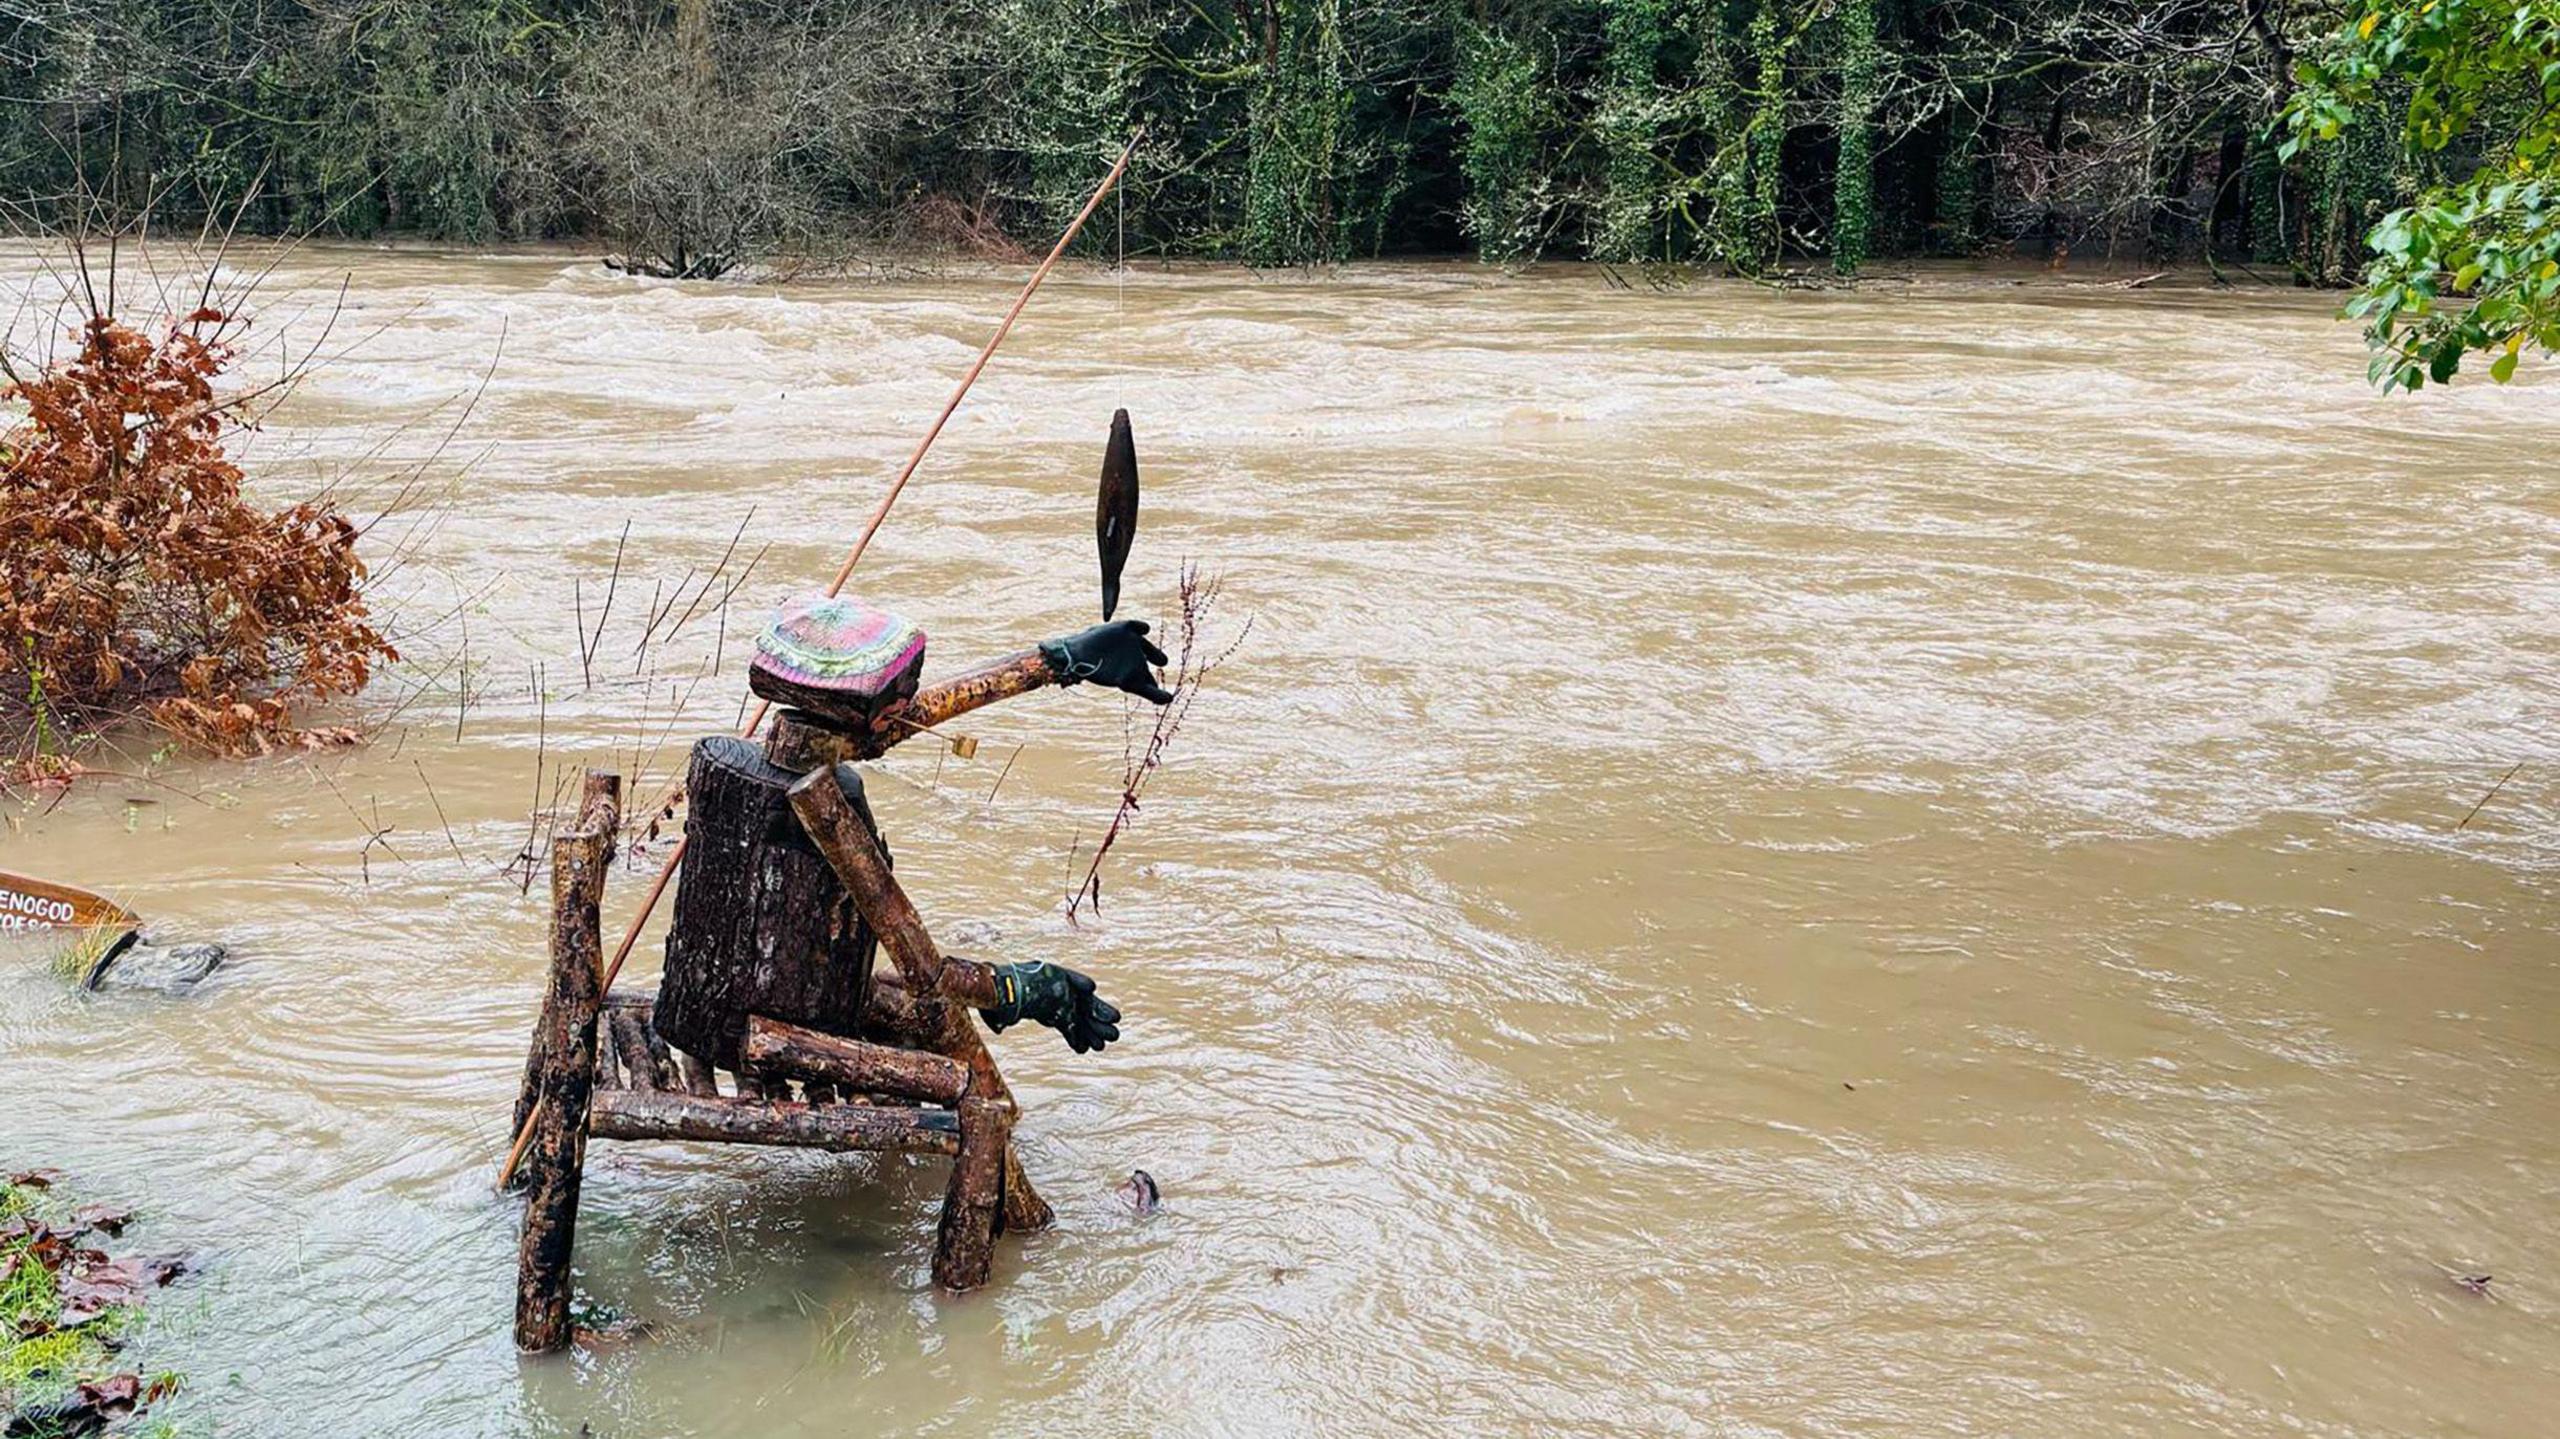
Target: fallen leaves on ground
60	1344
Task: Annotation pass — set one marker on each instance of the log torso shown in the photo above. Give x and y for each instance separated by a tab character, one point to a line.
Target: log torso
761	924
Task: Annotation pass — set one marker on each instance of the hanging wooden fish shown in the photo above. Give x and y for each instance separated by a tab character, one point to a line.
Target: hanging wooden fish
1115	510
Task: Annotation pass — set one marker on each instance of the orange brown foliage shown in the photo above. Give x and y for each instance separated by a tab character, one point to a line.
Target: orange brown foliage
135	579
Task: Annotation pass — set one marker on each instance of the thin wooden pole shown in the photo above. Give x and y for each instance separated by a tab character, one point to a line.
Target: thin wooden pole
879	514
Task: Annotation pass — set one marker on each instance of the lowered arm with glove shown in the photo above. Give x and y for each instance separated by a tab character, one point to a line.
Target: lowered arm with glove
1003	994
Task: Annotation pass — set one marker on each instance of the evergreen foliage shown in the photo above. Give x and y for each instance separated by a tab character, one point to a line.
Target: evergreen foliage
1749	134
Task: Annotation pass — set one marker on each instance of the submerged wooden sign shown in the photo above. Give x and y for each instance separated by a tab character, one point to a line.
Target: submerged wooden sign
32	904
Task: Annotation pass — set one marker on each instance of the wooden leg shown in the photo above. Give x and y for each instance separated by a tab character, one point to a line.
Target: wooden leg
964	1252
838	830
630	1046
1024	1209
566	1056
662	1060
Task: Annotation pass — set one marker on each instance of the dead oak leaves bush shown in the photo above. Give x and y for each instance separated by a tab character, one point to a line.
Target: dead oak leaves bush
134	577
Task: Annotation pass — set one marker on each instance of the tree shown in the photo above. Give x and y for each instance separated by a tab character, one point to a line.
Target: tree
2474	265
1854	187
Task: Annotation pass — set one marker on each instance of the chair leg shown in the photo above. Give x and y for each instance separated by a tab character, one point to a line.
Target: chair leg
964	1251
565	1061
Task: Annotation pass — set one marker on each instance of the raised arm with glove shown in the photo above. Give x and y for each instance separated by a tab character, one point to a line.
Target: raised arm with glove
1117	654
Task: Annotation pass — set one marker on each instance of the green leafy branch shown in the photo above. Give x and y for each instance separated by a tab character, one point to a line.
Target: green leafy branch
2474	266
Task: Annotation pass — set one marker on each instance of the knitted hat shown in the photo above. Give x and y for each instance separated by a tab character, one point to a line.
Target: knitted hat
839	645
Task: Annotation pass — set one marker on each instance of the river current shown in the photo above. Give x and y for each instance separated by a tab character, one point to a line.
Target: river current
1856	863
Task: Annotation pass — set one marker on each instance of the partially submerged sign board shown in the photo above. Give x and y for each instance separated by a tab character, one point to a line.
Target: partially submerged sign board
101	930
32	904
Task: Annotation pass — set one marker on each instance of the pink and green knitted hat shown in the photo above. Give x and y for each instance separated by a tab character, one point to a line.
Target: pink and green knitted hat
839	644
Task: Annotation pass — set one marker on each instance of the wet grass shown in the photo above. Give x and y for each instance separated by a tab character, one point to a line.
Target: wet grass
72	962
41	1365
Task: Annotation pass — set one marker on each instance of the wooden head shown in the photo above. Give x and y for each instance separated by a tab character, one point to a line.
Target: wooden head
838	659
798	741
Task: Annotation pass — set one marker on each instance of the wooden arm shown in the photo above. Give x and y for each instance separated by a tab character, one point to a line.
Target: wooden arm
801	746
1007	677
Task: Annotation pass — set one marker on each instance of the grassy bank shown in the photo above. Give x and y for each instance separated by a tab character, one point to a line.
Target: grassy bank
68	1315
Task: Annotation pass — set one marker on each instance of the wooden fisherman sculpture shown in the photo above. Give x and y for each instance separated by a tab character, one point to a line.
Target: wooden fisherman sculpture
786	890
765	922
784	898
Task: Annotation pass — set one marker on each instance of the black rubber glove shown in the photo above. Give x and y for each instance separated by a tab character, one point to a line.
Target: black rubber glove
1116	654
1056	996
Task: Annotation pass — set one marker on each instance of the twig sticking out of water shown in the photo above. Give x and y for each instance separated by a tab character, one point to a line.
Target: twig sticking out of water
528	858
2492	794
449	841
1191	666
588	644
1000	774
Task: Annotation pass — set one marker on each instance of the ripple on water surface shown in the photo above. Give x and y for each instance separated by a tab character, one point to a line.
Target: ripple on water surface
1772	864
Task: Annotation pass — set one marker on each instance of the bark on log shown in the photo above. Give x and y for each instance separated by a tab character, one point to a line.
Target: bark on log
964	1249
630	1049
829	807
629	1115
565	1044
1013	675
800	742
601	787
762	925
891	1015
662	1060
776	1047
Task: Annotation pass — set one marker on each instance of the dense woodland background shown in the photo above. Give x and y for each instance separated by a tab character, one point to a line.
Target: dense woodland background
1755	134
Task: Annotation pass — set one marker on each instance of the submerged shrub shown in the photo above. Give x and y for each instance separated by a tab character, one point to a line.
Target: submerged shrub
135	580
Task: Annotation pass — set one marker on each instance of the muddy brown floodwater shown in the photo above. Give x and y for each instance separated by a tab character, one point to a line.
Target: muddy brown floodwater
1773	864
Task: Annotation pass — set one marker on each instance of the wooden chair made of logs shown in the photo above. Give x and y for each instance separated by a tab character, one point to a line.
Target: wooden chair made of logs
600	1068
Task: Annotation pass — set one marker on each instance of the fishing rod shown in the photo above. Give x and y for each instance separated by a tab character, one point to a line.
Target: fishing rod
879	513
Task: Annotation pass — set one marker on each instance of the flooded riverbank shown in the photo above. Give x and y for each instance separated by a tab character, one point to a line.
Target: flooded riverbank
1823	863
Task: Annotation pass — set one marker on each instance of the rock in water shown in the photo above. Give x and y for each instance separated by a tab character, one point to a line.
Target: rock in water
169	969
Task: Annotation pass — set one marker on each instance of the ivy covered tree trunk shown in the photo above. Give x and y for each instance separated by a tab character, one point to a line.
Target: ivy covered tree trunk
1768	131
1634	33
1087	107
1502	125
1721	232
2266	204
1853	186
1299	172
